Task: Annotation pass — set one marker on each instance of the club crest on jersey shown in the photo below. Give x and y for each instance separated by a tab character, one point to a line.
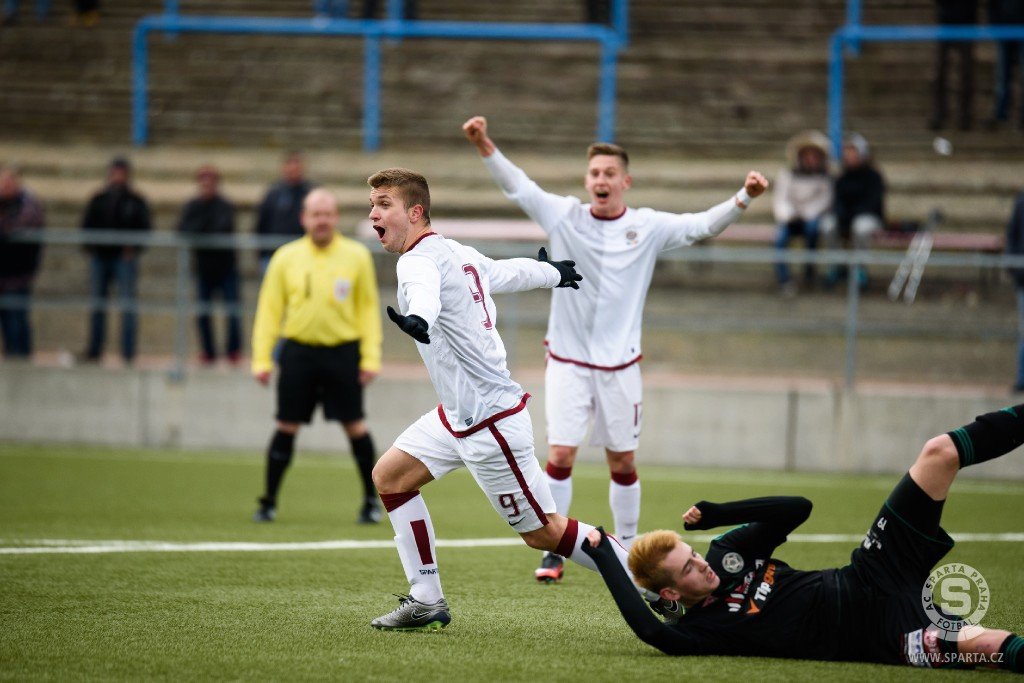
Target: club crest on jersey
632	237
732	563
342	287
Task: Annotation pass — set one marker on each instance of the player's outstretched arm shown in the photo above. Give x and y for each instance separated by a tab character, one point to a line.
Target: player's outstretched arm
522	274
782	511
566	270
680	230
768	521
475	130
646	626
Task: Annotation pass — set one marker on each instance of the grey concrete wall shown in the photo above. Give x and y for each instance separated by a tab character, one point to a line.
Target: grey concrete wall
806	426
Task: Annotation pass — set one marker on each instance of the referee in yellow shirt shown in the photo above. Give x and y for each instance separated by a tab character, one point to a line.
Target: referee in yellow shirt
320	295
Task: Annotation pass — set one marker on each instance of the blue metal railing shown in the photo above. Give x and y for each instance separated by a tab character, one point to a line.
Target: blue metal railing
852	35
612	40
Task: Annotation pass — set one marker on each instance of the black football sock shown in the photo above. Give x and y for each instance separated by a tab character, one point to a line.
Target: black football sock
989	436
362	451
1012	651
279	456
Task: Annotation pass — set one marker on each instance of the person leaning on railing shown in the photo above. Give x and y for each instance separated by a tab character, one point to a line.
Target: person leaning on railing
209	213
20	212
116	207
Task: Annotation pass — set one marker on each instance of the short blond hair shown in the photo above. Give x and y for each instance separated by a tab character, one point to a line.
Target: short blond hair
608	149
411	186
647	557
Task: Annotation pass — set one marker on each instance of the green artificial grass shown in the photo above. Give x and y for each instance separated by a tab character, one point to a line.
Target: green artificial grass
304	614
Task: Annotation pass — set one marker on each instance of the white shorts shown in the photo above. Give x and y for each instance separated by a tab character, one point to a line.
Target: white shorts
575	396
500	457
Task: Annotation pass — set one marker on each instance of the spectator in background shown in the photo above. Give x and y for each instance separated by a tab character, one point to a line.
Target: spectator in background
1009	56
20	212
216	268
1015	247
87	12
409	10
281	209
11	7
803	195
954	13
117	207
598	11
858	207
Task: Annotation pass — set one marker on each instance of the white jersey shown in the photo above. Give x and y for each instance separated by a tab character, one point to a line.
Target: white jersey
599	326
449	285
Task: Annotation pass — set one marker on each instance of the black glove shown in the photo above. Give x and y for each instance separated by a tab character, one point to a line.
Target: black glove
412	325
566	269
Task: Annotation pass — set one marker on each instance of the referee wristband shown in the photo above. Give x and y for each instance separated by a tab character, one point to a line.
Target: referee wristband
743	199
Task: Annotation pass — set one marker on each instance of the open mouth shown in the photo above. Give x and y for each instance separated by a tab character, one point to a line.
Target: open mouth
601	195
380	232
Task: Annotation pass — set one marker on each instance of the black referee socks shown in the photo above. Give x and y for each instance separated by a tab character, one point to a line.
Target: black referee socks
989	436
362	451
279	456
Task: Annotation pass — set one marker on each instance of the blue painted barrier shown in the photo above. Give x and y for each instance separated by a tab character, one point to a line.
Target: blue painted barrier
612	40
851	35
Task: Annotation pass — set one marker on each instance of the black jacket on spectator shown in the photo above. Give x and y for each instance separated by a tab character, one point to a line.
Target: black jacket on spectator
858	191
957	11
214	216
1006	11
281	211
1015	237
19	261
116	208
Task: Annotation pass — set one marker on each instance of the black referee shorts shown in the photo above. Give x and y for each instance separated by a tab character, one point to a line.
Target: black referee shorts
328	375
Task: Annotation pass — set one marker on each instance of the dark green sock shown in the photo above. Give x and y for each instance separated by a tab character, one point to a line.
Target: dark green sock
1012	651
989	436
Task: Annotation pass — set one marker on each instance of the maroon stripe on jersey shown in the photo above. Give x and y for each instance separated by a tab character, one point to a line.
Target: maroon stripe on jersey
419	532
614	218
393	501
568	541
483	424
624	478
584	364
510	458
558	473
418	240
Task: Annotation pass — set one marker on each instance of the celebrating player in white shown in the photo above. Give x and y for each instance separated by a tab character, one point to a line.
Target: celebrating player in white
444	292
593	337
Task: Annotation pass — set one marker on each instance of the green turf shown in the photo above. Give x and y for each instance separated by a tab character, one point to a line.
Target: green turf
296	615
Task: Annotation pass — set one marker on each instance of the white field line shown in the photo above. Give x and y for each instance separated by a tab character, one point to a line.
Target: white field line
91	547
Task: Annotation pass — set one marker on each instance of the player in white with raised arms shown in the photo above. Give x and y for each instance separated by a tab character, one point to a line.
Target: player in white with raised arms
593	338
444	293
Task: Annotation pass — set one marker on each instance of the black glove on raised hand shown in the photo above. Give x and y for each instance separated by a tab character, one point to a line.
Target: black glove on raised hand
412	325
566	269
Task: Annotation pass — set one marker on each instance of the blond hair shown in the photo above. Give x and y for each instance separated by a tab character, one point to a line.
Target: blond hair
608	149
411	186
647	557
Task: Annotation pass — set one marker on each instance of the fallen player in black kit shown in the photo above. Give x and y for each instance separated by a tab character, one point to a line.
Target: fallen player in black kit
742	601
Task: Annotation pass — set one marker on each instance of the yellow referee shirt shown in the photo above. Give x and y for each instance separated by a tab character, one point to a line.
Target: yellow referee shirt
320	297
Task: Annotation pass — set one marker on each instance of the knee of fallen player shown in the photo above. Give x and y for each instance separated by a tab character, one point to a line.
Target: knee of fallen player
940	452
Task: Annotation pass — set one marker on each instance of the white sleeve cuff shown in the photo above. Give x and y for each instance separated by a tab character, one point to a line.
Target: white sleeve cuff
742	198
